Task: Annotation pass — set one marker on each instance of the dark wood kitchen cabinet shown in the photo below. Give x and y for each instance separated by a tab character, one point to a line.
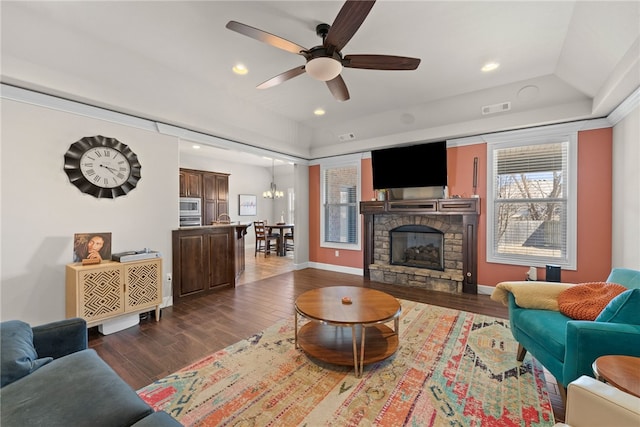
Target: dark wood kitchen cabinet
215	196
203	259
211	187
190	183
206	258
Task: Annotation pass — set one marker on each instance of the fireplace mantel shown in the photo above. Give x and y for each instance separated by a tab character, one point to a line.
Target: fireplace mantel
468	209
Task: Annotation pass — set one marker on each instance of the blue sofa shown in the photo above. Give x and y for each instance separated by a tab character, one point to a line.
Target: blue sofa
568	348
50	378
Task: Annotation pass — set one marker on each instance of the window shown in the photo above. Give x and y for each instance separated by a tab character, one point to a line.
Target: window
340	196
532	201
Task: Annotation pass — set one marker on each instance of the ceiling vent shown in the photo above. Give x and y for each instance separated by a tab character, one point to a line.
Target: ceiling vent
496	108
347	137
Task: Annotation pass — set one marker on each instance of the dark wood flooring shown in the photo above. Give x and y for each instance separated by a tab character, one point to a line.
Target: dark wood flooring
198	326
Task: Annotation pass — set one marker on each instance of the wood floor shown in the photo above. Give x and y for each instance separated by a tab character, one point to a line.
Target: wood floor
196	327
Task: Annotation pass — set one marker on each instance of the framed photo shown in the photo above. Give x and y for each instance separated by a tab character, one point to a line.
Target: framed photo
247	205
92	246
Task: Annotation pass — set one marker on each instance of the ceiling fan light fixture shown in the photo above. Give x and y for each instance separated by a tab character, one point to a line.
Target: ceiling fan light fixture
323	68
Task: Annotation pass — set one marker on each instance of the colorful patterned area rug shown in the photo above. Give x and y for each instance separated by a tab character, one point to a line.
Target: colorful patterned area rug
451	368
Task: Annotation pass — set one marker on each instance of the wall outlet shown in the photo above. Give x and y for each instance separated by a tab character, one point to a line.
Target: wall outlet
169	277
337	253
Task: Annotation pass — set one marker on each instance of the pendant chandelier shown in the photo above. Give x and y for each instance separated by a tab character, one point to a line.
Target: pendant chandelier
272	192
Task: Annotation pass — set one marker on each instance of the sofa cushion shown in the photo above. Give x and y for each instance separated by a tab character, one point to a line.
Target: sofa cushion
18	355
76	390
586	300
544	329
625	308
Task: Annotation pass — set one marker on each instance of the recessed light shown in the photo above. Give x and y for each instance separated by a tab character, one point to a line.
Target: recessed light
319	112
490	66
195	147
240	69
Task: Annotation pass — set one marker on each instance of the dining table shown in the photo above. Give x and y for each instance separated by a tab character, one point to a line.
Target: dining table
282	250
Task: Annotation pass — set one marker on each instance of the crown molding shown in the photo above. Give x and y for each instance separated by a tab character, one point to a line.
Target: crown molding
625	107
39	99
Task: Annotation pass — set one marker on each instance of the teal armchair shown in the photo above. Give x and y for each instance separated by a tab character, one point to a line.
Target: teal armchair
568	348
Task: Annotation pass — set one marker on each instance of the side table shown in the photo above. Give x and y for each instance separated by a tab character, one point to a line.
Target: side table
622	372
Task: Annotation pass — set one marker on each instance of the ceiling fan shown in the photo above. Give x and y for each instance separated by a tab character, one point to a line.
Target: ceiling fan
325	62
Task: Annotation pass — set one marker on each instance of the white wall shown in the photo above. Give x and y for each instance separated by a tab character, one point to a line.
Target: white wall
626	192
41	210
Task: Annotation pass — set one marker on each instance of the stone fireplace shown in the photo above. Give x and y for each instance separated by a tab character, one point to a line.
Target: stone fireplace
428	244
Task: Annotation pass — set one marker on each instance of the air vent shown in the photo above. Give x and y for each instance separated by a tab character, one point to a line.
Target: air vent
347	137
496	108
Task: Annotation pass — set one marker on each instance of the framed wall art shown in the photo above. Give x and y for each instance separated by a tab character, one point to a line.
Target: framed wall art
93	246
247	205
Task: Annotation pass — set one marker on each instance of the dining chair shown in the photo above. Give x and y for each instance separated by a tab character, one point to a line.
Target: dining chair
263	239
288	241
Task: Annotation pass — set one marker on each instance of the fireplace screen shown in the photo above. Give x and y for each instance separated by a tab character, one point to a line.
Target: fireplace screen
417	246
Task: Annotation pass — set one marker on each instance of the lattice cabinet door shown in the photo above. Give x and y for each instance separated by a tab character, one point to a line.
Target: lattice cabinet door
97	292
143	284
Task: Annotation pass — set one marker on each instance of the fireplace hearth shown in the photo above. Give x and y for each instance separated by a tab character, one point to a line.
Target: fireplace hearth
429	244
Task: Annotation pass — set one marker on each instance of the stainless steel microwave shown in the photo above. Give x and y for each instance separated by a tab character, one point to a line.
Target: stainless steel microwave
190	207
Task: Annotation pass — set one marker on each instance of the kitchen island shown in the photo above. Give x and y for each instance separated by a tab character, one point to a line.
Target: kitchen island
207	258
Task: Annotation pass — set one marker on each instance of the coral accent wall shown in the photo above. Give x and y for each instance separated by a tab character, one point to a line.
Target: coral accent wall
460	180
594	210
595	205
314	213
353	259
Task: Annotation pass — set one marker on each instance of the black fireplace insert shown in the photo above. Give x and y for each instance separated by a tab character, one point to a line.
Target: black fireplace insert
417	246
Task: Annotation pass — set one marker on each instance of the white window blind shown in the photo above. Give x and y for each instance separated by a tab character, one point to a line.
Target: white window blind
340	206
531	206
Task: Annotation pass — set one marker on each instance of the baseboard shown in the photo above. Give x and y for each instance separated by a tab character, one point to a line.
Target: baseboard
337	268
485	290
301	266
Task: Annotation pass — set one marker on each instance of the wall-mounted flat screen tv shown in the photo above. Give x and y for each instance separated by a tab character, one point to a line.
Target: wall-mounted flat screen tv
422	165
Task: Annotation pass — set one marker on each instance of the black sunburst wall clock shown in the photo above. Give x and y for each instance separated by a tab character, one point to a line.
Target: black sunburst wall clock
102	167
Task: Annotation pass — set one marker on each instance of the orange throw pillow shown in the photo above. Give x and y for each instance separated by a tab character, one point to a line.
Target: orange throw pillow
586	300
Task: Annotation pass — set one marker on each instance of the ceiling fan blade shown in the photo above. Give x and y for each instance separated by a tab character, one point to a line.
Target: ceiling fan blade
338	89
281	78
349	19
265	37
380	62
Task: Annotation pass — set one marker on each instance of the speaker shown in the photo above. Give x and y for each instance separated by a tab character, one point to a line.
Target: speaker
553	273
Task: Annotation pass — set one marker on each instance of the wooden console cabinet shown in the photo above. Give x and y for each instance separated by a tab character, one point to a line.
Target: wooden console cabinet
103	291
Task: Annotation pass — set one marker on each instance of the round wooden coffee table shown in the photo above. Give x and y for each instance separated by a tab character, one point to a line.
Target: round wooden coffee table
335	327
622	372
